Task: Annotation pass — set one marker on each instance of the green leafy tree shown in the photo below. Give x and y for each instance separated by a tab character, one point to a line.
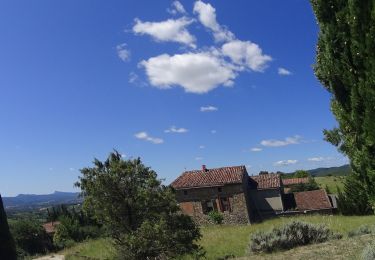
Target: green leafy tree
301	174
137	209
310	185
7	245
346	67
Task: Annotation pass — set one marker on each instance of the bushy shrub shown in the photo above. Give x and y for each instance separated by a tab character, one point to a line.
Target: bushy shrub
30	237
362	230
216	217
166	238
369	252
70	231
291	235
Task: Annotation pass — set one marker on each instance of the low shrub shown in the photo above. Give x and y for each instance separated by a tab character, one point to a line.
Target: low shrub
30	238
293	234
362	230
369	252
216	217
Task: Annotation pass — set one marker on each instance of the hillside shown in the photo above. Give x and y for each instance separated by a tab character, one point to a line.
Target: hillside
32	201
334	171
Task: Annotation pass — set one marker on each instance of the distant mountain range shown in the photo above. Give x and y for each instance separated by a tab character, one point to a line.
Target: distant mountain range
334	171
32	201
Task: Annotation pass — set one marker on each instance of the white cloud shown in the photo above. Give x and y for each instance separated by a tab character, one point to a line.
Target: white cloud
209	109
213	131
317	159
246	53
174	129
122	52
198	158
285	162
277	143
202	147
146	137
72	169
177	7
284	72
207	16
169	30
136	80
195	72
123	155
256	149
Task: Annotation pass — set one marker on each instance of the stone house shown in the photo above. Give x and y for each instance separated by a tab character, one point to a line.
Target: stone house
223	189
231	191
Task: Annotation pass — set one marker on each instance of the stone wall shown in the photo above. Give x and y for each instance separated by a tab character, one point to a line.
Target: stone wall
191	203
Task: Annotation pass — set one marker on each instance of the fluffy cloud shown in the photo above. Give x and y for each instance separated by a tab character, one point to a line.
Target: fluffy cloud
195	72
169	30
174	129
198	158
144	136
209	109
122	52
246	53
285	162
207	16
277	143
256	149
177	7
284	72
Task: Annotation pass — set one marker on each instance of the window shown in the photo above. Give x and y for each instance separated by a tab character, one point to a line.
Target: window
185	192
219	189
208	206
225	205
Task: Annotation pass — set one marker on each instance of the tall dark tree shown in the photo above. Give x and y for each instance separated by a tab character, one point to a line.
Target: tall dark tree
7	245
346	67
141	213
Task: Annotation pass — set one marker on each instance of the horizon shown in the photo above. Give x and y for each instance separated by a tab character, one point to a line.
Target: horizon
178	84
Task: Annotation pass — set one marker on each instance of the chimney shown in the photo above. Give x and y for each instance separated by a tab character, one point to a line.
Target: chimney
204	169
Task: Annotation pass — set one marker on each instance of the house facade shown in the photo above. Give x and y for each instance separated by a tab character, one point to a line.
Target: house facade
222	189
239	197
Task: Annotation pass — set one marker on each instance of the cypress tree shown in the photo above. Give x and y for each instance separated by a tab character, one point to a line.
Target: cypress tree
7	245
345	65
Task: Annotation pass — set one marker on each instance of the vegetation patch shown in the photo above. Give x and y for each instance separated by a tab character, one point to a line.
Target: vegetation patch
369	252
293	234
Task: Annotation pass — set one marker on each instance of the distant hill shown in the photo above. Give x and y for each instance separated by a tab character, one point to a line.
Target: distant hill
32	201
334	171
330	171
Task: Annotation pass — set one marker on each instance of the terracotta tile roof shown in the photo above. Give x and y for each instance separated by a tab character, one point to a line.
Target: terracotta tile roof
312	200
294	181
210	177
265	181
50	227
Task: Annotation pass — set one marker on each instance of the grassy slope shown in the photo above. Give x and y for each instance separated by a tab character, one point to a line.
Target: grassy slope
332	182
220	241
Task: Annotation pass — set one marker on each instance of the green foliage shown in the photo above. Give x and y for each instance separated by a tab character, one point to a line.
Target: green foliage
346	67
7	245
369	252
355	199
290	235
30	237
216	217
311	185
301	174
362	230
127	197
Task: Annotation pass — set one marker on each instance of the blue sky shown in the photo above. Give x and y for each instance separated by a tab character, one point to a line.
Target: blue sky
179	84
